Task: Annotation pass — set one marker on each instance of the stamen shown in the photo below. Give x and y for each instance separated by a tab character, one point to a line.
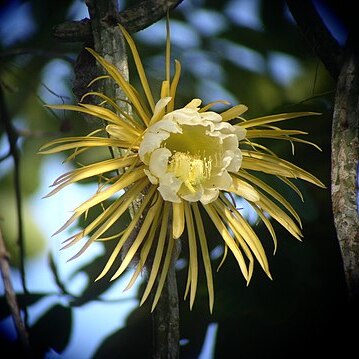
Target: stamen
191	169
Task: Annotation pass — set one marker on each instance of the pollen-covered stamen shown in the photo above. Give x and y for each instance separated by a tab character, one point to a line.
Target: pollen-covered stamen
191	169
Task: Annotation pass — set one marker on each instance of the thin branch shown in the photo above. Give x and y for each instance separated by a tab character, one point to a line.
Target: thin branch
12	138
134	19
318	36
11	297
37	52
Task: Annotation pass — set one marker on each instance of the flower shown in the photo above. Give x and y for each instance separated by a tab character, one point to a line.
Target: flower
182	163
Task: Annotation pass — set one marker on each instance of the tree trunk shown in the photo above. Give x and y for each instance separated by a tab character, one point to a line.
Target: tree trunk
345	156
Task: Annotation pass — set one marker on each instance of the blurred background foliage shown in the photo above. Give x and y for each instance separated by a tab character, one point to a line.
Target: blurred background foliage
244	51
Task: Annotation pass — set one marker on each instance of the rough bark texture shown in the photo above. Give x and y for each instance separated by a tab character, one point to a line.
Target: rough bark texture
109	43
345	156
166	319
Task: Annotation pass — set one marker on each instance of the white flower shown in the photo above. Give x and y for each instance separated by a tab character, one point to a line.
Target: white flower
189	154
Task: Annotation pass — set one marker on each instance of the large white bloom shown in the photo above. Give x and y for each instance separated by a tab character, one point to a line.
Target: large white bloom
189	154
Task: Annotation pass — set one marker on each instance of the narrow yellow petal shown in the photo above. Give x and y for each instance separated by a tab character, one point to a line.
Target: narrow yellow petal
293	186
173	87
165	89
280	216
193	264
274	165
267	224
244	230
126	87
277	133
244	189
205	254
124	237
262	185
168	53
144	252
70	143
225	253
95	169
110	217
211	104
260	121
125	180
139	66
158	254
150	215
166	264
228	239
112	117
99	112
233	112
178	219
115	106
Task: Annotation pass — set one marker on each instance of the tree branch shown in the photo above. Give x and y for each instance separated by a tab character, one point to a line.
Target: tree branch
318	36
134	19
11	297
12	138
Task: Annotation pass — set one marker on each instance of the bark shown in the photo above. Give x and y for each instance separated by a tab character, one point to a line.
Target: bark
166	319
345	156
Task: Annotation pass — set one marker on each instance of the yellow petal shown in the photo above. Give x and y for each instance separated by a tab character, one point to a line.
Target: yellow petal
150	215
159	251
166	264
108	218
64	144
139	66
272	192
233	112
126	87
174	84
244	230
115	106
205	254
228	239
267	224
260	121
244	189
280	216
144	251
124	238
277	166
178	219
193	264
125	180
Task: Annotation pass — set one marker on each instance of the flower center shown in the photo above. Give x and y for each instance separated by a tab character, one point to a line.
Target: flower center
191	169
190	154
